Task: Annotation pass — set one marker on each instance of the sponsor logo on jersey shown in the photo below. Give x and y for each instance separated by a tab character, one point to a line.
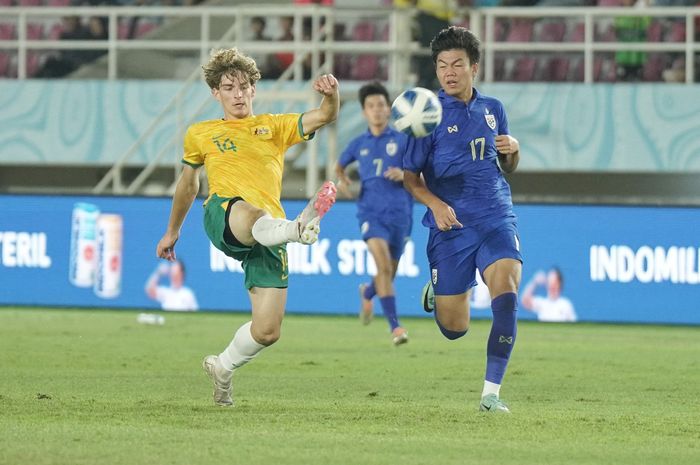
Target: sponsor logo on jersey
391	148
262	131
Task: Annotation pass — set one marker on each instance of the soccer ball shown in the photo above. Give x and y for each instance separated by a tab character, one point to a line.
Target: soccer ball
416	112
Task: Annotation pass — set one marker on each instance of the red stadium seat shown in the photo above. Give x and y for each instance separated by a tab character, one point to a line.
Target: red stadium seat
30	3
610	3
556	69
365	67
58	3
35	31
5	2
7	31
525	68
4	64
655	31
578	33
521	30
677	32
363	31
654	67
551	31
55	31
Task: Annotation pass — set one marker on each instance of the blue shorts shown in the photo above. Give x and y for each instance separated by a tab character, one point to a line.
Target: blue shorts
455	255
396	234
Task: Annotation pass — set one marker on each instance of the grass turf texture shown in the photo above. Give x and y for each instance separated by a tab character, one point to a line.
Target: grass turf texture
86	387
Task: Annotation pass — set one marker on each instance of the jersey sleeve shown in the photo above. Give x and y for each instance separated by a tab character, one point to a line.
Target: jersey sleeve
288	129
193	155
416	155
502	120
348	155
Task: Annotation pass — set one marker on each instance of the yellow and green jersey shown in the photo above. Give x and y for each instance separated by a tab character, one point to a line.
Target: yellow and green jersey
245	157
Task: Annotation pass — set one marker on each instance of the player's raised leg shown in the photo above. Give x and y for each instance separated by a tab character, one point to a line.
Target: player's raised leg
264	330
305	228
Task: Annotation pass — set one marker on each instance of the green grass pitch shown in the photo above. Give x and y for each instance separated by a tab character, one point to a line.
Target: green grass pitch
95	387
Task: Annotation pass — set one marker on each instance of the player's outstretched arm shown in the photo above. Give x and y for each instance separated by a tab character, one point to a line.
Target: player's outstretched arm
508	152
445	217
327	112
185	193
344	181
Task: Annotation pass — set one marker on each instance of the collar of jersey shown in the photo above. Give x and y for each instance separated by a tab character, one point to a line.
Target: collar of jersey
387	130
449	101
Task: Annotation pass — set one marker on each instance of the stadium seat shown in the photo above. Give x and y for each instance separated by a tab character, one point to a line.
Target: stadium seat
677	32
613	3
35	31
58	3
525	68
7	31
655	31
4	64
654	67
5	3
550	31
365	67
556	69
578	33
521	30
363	31
55	31
30	3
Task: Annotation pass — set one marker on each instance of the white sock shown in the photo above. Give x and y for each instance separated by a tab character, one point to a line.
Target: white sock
242	349
490	388
270	231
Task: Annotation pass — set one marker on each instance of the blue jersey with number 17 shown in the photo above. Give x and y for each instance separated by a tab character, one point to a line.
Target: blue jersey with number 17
459	161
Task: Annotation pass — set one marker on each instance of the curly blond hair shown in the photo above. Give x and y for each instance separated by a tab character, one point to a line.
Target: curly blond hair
230	62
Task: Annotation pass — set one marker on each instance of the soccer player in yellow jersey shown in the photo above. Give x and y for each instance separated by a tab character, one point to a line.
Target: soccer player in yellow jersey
243	156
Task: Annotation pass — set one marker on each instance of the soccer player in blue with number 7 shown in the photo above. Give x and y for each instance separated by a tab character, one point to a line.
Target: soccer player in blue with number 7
470	210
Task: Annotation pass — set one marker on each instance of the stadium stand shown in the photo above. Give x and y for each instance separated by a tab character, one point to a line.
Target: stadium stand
526	45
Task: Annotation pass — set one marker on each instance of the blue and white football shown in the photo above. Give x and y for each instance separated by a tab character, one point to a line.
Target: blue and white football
416	112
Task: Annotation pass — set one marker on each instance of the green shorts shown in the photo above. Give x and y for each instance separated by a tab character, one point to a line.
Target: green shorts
263	266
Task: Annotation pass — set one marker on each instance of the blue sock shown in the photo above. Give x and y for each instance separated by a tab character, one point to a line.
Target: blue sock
448	333
389	309
370	291
502	337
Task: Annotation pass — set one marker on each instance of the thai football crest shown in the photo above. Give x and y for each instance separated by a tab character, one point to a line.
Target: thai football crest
391	148
434	276
490	120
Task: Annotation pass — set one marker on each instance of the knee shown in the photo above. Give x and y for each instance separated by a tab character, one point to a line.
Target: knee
452	327
266	336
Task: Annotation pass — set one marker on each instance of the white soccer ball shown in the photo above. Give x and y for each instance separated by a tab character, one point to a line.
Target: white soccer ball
416	112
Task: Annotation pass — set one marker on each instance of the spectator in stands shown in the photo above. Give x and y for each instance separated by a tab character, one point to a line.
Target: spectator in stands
263	60
425	26
554	307
629	63
175	296
66	61
282	60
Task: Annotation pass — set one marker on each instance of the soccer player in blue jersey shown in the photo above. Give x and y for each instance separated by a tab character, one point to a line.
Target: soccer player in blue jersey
470	211
384	207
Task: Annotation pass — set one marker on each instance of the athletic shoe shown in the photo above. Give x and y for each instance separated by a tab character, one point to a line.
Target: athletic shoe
400	336
309	219
491	403
366	311
222	383
428	297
